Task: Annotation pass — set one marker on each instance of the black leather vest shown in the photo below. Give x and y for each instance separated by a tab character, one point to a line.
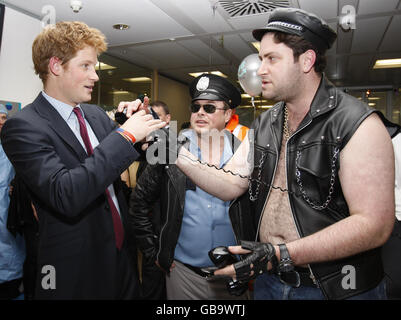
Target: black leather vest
312	164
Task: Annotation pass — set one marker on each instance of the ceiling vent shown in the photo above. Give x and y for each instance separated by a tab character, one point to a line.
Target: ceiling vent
243	8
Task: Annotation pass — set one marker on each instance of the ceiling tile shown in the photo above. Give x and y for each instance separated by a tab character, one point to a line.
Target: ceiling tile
375	6
202	51
249	22
368	34
238	47
324	9
202	13
393	32
173	55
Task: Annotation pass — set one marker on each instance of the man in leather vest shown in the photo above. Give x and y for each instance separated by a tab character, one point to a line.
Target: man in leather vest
321	179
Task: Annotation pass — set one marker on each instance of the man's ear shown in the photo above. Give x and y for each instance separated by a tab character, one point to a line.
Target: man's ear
308	59
227	115
55	66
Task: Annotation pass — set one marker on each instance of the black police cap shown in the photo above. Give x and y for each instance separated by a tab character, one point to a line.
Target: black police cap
300	23
216	88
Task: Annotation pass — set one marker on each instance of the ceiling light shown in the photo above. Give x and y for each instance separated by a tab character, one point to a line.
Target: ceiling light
217	73
258	107
121	26
387	63
120	92
256	44
138	79
104	66
374	98
371	104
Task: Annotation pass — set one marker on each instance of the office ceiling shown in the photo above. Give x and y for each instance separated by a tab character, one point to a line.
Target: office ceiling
176	37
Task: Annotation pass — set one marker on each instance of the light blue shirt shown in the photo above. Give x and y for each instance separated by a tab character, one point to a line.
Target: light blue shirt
65	111
206	223
12	249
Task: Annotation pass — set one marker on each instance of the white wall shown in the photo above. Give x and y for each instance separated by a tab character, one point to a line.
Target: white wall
18	81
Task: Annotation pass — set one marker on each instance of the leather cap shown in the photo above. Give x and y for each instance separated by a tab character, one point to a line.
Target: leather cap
216	88
300	23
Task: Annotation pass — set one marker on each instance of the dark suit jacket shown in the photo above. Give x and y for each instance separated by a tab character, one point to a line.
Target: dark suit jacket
76	234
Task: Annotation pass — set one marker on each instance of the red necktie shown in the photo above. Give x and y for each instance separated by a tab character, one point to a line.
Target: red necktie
118	226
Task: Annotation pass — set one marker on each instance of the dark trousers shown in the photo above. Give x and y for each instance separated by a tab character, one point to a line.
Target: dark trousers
10	290
391	255
153	282
30	264
127	277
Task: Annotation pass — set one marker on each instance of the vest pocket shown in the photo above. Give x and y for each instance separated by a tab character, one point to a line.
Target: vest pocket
317	173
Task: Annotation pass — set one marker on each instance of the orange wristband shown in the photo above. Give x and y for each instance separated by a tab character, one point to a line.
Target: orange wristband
127	134
124	136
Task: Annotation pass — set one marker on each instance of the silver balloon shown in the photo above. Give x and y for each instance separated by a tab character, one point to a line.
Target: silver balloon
247	75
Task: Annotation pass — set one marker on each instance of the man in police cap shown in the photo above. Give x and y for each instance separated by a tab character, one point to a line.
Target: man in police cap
323	181
222	90
193	221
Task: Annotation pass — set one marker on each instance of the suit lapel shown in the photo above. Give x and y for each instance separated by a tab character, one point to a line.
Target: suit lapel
95	123
58	125
101	132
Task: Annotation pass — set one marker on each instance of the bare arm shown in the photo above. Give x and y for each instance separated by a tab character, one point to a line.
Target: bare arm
224	186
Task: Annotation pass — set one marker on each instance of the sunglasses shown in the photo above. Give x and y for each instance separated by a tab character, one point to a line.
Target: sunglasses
209	108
